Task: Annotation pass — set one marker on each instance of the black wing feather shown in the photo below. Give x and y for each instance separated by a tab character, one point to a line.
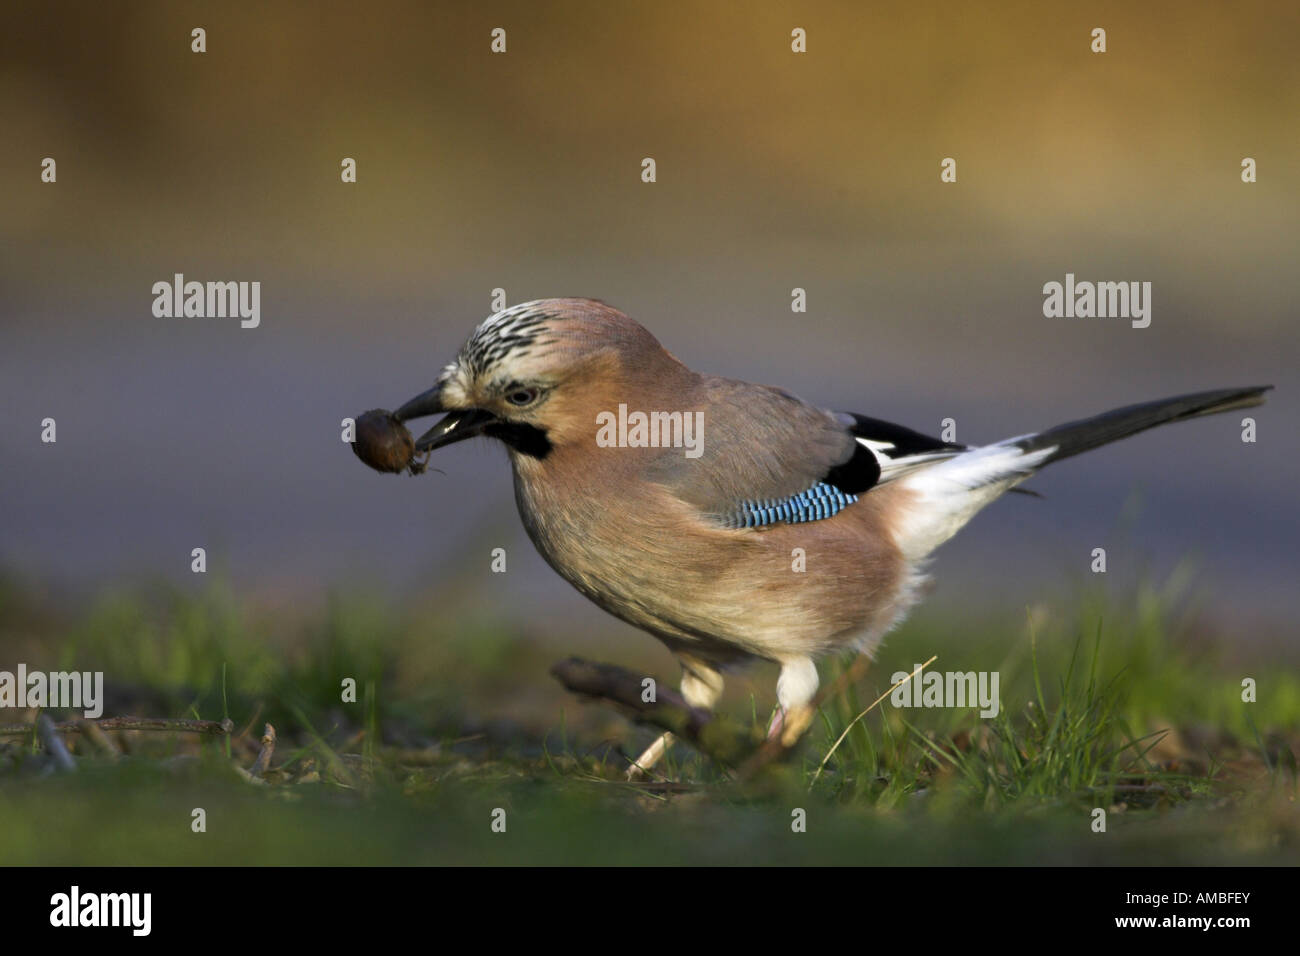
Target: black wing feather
862	470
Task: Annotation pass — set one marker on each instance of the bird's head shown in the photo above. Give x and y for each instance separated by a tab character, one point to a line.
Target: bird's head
534	376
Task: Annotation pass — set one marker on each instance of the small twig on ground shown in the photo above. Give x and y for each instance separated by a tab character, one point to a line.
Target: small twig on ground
263	760
90	730
248	727
214	728
54	745
352	742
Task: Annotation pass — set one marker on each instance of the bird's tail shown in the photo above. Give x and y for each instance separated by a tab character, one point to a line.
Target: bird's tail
1088	433
948	494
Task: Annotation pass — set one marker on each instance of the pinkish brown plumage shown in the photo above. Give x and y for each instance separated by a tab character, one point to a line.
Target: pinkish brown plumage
744	523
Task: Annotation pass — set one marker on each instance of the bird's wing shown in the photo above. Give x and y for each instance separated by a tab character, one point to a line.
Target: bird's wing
897	450
770	457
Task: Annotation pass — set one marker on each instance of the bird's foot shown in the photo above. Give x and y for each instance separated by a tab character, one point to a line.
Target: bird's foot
788	725
797	720
776	724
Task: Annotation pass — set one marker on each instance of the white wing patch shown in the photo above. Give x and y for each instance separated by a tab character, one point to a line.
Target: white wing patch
891	468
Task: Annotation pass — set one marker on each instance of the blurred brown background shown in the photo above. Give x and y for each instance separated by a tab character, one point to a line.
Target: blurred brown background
522	171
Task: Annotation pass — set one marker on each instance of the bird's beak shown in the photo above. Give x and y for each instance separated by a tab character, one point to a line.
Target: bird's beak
456	426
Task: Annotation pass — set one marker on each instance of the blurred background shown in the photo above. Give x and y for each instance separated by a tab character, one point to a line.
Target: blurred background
522	171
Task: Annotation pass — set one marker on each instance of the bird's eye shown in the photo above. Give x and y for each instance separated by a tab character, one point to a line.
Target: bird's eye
522	396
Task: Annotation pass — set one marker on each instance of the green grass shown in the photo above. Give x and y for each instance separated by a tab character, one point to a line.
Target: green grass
1127	705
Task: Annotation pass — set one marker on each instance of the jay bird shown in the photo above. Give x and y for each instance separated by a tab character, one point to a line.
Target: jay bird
702	551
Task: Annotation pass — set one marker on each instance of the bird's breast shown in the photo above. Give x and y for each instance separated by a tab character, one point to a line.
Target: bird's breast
644	555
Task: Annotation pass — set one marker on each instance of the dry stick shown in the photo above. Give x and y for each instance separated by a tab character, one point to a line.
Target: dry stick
835	746
90	731
354	740
214	728
257	712
719	738
54	744
263	760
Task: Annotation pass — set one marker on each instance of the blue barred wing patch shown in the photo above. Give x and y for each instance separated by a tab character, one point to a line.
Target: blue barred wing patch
818	502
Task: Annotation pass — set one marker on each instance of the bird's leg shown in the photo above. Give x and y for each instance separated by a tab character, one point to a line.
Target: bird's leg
701	686
795	688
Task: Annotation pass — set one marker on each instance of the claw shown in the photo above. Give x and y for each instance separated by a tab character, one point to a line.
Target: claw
776	724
